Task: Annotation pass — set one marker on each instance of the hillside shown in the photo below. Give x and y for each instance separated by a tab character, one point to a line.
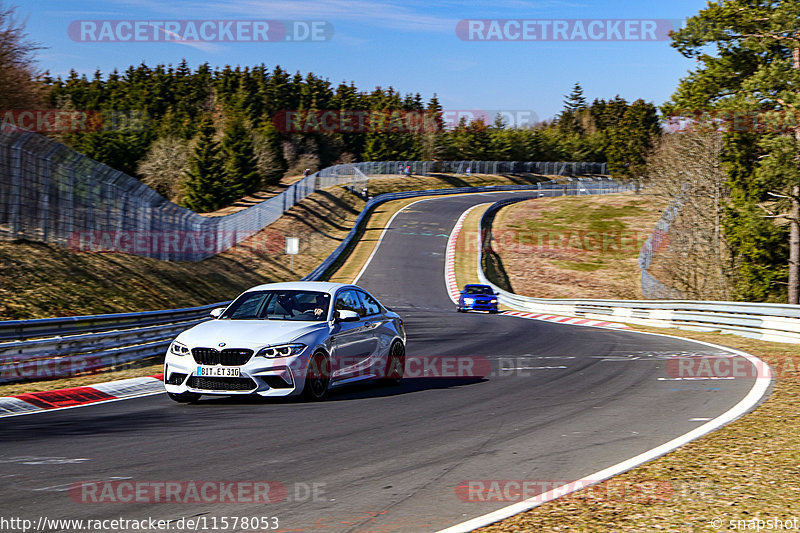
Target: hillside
575	247
41	280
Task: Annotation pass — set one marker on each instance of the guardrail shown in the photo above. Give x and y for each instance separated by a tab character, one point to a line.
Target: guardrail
772	322
59	347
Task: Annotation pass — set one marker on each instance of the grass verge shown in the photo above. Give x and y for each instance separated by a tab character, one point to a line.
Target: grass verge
575	247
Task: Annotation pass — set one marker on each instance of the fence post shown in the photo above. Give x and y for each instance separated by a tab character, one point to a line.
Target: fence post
16	185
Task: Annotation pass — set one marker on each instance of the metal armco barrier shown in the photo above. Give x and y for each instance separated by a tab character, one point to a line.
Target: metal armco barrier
771	322
60	347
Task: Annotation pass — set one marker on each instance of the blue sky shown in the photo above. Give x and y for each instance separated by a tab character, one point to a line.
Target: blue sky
408	44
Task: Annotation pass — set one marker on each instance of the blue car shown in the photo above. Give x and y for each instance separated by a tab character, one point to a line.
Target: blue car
477	298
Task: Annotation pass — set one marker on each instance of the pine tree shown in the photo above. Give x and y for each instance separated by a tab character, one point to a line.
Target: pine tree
241	172
574	105
204	184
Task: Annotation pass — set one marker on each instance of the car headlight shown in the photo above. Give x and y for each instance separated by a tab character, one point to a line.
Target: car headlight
281	350
178	349
469	300
494	300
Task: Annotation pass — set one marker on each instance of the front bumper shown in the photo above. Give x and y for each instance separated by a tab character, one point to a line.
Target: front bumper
282	376
479	306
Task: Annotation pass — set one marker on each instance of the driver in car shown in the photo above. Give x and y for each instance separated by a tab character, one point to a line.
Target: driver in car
286	301
319	306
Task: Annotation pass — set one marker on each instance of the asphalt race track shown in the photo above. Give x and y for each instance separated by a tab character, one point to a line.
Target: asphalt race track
383	459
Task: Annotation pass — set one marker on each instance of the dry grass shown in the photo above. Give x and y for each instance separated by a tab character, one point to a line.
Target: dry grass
42	280
468	246
575	247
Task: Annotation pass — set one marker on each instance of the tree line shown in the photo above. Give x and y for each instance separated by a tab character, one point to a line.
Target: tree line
205	137
210	134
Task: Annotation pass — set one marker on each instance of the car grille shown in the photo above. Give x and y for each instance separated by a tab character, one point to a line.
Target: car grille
239	384
175	378
227	357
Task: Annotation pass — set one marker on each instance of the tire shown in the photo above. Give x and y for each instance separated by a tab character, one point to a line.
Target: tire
184	397
459	310
318	378
395	364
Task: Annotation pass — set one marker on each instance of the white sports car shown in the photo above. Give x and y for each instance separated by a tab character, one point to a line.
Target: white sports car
285	339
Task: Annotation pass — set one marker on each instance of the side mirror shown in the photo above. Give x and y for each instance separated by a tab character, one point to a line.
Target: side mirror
346	316
497	294
216	313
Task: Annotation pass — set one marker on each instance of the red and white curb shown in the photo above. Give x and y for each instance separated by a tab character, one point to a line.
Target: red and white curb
38	402
450	257
567	320
454	291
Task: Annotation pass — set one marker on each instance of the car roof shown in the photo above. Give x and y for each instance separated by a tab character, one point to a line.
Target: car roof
320	286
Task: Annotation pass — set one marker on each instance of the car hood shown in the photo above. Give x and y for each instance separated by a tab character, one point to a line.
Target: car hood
246	333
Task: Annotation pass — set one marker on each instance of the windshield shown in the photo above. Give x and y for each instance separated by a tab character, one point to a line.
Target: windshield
478	289
279	305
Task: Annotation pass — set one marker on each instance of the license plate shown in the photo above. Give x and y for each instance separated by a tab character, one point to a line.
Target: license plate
218	371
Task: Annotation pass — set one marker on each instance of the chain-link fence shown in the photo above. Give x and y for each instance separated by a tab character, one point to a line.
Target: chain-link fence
651	287
425	168
50	193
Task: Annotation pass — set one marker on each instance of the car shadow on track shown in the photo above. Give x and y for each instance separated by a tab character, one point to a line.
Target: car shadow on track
356	391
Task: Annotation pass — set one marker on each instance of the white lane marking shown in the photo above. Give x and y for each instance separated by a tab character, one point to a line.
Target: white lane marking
535	368
753	397
697	379
34	460
699	419
380	240
64	487
388	224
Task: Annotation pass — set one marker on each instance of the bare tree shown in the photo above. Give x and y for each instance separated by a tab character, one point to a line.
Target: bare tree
164	165
18	73
697	259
